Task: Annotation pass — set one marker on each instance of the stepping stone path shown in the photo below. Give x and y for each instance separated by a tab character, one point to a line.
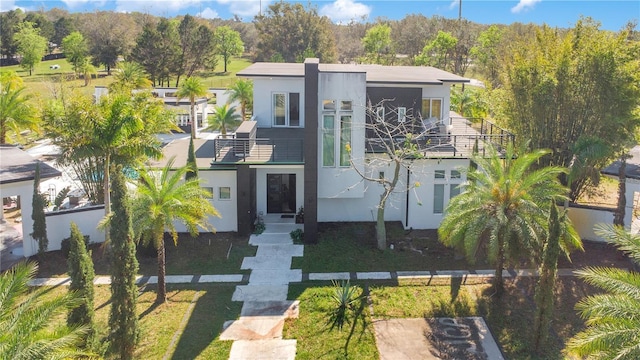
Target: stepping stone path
257	334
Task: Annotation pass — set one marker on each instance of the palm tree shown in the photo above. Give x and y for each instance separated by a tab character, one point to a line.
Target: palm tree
612	318
242	91
26	320
88	70
161	200
222	117
130	76
192	88
16	113
502	214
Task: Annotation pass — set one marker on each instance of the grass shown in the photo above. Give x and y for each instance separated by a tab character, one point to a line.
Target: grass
158	324
43	82
352	247
509	318
220	253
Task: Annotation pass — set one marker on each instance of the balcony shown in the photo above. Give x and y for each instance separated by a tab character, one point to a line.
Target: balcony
259	146
455	142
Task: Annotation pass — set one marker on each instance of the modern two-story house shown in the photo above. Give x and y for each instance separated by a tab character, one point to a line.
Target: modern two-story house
311	131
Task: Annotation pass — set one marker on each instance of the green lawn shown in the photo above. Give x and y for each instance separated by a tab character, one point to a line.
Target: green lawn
352	247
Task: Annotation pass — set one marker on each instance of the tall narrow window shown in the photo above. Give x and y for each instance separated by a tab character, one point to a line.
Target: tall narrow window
294	109
345	138
328	141
438	198
279	110
402	114
454	190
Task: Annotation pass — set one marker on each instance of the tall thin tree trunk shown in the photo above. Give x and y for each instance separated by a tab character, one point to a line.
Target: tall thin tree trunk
498	281
162	287
381	231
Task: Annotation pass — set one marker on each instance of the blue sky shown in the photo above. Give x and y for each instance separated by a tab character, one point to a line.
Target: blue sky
612	14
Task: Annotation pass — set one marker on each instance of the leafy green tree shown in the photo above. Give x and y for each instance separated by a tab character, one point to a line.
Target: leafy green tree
88	71
123	320
470	102
439	52
242	92
228	44
62	27
9	24
27	319
288	29
110	35
612	317
575	92
223	117
76	50
120	129
80	269
502	212
192	165
191	89
560	231
486	54
162	200
377	43
197	47
31	46
16	112
38	204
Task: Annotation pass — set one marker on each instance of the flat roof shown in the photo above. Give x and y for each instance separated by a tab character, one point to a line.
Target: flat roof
17	165
375	73
632	169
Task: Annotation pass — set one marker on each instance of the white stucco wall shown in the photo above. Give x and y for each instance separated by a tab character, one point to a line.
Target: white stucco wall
336	181
87	219
263	88
261	183
421	199
440	91
585	218
24	189
228	209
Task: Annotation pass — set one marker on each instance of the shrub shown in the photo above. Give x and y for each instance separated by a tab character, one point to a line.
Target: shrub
297	236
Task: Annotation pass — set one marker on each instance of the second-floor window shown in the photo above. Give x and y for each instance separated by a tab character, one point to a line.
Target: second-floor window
286	109
336	132
432	108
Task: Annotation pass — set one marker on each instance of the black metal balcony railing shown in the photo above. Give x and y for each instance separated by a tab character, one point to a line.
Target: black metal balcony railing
260	150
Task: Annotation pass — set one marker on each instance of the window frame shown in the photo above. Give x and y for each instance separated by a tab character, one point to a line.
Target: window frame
287	109
220	197
440	116
328	133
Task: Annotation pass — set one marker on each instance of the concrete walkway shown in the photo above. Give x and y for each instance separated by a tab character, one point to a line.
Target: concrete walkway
257	333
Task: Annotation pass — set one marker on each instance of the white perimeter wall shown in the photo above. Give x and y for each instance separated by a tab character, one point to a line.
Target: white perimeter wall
59	225
585	218
263	88
23	189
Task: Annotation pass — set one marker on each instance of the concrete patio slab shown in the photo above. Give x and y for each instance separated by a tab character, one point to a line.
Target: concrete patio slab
260	293
287	308
266	263
102	280
253	328
280	251
220	278
275	277
461	338
454	273
373	275
263	350
330	276
49	281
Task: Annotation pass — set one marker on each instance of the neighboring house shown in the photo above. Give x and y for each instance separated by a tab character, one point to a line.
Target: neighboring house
294	153
182	107
632	182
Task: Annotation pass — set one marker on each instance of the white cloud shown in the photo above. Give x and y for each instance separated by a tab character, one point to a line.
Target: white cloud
524	5
71	4
342	11
154	7
208	13
249	8
454	4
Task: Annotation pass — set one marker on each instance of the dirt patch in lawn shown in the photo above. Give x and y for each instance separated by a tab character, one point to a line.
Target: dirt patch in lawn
219	253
